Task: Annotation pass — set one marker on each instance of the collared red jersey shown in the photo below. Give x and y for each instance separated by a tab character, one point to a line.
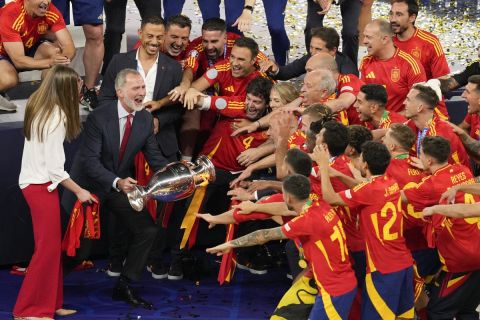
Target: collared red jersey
18	26
407	176
438	127
388	118
349	83
221	74
398	74
426	48
473	119
319	233
457	239
381	221
197	60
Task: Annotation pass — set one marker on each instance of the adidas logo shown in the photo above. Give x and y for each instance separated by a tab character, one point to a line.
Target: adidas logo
230	88
370	75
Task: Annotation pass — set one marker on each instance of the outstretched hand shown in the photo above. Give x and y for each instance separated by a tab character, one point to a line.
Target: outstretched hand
221	249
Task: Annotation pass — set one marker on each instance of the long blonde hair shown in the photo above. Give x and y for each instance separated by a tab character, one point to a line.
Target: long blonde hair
58	88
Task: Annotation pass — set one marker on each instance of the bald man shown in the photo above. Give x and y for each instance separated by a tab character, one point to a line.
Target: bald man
347	87
387	65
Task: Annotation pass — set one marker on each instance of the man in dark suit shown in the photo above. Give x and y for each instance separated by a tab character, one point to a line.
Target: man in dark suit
161	74
323	40
114	133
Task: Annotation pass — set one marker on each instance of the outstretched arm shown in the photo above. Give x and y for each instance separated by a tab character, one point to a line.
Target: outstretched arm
460	210
251	239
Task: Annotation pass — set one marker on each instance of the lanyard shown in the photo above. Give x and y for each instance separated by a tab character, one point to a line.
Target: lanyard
212	62
420	136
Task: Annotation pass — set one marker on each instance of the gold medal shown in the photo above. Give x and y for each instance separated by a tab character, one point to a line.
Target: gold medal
302	263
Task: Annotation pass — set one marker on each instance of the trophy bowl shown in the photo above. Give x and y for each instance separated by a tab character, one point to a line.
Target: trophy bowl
176	181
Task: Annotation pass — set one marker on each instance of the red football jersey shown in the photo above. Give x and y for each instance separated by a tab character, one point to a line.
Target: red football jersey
348	216
387	119
18	26
457	240
381	222
350	83
197	59
473	119
221	147
398	74
319	233
425	47
438	127
407	176
228	85
297	140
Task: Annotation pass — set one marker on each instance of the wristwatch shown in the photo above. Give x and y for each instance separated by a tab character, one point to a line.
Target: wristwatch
248	8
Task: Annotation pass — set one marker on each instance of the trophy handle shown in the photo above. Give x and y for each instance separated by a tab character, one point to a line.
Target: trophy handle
136	199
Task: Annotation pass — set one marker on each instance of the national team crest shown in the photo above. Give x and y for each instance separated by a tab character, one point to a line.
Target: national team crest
194	53
42	28
395	75
416	53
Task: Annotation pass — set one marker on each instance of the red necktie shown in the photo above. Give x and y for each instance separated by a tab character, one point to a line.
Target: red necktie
126	135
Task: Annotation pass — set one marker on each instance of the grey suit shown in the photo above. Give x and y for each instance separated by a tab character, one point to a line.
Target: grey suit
169	75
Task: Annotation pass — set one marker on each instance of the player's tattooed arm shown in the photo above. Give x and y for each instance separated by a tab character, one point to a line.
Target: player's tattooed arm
259	237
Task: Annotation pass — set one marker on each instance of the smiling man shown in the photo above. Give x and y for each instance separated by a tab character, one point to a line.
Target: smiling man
23	26
177	36
421	44
387	65
231	75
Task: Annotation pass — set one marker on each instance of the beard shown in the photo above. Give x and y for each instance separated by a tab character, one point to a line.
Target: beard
132	105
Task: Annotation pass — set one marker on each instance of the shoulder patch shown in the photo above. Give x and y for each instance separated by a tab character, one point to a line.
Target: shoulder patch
193	53
220	103
212	74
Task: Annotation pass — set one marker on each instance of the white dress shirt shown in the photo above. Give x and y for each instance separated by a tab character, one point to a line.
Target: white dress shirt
149	78
44	161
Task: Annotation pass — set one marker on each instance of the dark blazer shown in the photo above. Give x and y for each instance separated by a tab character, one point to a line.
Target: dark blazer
96	165
169	75
297	67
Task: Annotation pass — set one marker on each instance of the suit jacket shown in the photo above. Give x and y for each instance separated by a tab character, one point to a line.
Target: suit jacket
96	164
169	75
297	67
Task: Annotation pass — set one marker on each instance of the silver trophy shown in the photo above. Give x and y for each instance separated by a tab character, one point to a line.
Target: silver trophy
176	181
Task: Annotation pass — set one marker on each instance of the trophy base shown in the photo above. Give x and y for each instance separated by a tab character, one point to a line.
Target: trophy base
136	200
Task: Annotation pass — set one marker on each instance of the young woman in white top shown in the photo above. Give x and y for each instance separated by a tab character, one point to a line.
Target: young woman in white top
51	116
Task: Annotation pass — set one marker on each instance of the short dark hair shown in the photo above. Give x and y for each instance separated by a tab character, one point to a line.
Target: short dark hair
376	93
377	157
335	136
403	135
297	185
436	147
475	79
179	20
153	19
357	136
249	43
300	161
411	4
214	24
328	35
427	95
260	87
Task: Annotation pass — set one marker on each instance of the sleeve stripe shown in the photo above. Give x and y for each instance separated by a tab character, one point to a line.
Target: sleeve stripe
52	14
19	21
411	62
436	44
